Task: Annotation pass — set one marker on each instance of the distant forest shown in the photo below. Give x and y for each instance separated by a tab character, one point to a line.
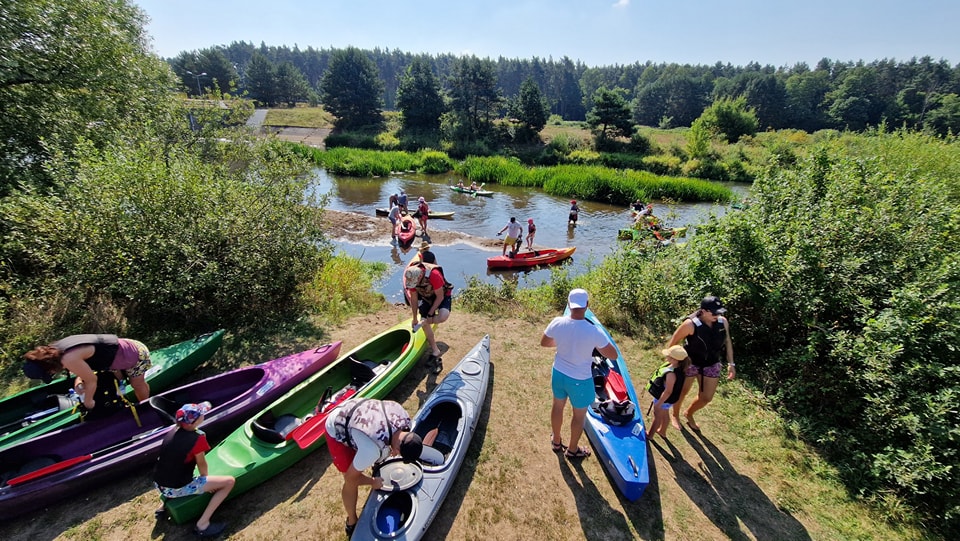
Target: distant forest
920	93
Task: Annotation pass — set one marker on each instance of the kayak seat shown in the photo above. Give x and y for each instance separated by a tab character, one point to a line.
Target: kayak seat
165	408
361	372
273	430
446	418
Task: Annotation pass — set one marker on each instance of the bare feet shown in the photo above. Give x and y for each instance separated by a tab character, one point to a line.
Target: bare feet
691	423
675	421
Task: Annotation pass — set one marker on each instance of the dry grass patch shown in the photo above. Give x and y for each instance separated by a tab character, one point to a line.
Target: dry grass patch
299	117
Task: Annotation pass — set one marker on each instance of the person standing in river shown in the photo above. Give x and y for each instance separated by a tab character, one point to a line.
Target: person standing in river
705	335
574	213
514	233
531	233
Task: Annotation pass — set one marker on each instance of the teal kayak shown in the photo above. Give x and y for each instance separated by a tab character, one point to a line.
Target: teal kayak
292	427
48	407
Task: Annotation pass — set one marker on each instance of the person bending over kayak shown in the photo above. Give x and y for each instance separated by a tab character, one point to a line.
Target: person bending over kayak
431	298
362	432
86	354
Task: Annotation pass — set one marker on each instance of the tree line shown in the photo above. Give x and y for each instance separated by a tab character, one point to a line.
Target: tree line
921	93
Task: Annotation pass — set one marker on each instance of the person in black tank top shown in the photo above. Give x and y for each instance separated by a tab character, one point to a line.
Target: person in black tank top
705	335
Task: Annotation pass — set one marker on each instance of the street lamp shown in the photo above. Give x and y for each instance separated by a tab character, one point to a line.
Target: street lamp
198	76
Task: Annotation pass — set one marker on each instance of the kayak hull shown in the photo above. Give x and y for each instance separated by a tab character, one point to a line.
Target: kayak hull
621	449
121	442
546	256
169	364
261	449
405	231
454	408
468	191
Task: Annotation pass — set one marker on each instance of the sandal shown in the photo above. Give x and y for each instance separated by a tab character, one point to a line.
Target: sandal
348	528
580	452
558	447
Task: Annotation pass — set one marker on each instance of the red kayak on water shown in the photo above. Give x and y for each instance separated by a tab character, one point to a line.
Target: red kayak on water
405	230
545	256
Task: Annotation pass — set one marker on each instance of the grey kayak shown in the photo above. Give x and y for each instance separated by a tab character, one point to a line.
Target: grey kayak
401	512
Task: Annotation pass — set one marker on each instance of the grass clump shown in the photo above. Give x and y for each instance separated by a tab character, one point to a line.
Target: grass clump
343	287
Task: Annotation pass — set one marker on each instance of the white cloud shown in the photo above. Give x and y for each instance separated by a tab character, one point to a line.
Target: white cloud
621	3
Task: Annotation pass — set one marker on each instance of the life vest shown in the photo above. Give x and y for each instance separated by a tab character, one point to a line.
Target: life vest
658	382
706	344
105	348
424	289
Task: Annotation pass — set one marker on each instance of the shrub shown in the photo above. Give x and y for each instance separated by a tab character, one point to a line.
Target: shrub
662	165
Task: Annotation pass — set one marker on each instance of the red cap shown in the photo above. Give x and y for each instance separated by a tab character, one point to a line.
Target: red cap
529	220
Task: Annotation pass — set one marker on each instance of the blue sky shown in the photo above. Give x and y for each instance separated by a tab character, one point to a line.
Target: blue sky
597	32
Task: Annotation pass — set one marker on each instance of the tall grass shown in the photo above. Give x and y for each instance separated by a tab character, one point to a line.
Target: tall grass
343	287
356	162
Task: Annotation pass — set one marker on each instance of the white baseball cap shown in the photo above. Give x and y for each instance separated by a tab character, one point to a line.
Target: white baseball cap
578	298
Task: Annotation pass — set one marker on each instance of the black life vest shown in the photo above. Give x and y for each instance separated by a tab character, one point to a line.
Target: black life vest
706	344
105	348
172	469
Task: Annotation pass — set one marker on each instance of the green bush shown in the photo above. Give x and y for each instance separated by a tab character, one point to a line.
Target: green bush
434	162
841	281
170	240
663	165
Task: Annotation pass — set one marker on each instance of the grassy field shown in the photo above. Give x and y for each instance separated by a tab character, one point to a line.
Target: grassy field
742	477
299	117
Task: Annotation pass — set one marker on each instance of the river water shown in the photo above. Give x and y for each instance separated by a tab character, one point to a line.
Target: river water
595	234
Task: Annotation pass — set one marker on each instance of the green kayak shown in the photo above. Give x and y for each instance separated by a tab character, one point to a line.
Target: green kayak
48	407
468	191
292	427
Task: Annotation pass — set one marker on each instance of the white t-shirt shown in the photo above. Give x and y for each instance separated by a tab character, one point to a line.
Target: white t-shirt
514	230
576	339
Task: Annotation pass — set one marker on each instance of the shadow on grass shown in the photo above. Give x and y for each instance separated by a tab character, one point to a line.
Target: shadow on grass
646	513
728	498
597	518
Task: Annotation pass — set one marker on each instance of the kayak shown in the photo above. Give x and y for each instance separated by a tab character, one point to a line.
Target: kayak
446	215
405	230
413	493
545	256
468	191
619	440
77	459
289	429
45	408
666	233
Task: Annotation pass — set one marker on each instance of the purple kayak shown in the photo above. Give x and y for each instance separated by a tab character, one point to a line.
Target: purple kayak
48	468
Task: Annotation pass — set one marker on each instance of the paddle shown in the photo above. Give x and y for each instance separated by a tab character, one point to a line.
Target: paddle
20	423
316	427
475	192
64	464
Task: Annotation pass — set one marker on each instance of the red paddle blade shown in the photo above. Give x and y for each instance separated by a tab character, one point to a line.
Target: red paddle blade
616	386
315	428
52	468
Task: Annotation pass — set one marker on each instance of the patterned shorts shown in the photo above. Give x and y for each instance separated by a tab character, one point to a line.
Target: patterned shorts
143	364
193	487
712	371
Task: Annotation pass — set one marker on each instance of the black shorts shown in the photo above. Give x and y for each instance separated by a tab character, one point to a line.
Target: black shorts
424	307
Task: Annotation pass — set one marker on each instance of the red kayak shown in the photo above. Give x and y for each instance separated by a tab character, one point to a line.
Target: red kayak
530	259
405	230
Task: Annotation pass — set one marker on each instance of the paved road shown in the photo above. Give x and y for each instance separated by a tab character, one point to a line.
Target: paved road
257	118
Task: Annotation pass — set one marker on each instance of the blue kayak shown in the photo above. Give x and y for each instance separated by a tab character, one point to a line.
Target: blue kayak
619	441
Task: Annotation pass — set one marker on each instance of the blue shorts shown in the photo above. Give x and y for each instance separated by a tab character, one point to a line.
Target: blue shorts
580	391
193	487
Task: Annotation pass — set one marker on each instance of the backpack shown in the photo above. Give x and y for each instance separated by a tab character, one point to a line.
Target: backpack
107	398
616	412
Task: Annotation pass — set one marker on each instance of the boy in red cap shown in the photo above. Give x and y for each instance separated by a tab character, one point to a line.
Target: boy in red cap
574	212
182	449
